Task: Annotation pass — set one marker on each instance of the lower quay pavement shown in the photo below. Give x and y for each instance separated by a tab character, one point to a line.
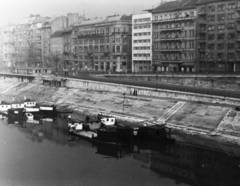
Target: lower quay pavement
208	120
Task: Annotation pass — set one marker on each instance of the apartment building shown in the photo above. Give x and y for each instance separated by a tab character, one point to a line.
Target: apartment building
7	45
174	41
218	36
104	44
35	41
142	42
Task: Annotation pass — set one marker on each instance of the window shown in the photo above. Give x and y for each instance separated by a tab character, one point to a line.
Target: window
211	46
231	16
221	17
191	32
211	27
191	44
230	56
221	36
221	27
211	8
220	46
231	26
231	6
230	46
211	18
221	7
211	37
220	56
231	36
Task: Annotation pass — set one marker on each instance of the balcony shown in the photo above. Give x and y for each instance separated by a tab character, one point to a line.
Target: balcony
238	29
202	49
171	60
202	22
171	29
238	49
90	36
169	49
238	8
171	38
238	39
202	40
238	18
202	31
202	12
174	19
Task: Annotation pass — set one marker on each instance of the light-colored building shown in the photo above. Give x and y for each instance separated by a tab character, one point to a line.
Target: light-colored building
142	42
104	44
7	46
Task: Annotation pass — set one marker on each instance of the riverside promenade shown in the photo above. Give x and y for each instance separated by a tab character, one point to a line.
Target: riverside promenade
209	120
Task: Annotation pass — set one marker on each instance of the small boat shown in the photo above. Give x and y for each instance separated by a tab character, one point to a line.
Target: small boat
29	103
4	106
16	105
107	120
29	115
17	113
46	107
153	132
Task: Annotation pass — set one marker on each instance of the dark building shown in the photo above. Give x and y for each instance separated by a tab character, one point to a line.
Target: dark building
218	36
174	36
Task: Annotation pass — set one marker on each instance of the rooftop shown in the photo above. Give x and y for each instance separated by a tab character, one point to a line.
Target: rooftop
174	6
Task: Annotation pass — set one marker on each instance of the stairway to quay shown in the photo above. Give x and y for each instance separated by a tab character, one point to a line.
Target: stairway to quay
211	116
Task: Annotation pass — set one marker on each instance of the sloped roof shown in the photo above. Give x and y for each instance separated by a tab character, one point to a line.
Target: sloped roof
57	34
209	1
175	5
106	19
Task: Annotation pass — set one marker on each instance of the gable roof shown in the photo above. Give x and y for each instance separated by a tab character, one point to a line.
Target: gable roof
175	5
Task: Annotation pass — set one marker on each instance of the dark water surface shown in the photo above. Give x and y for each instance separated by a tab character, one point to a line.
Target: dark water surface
43	154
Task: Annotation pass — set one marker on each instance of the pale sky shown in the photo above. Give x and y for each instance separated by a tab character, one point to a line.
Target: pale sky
12	11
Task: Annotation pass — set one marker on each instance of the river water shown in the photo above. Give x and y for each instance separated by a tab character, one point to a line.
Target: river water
43	154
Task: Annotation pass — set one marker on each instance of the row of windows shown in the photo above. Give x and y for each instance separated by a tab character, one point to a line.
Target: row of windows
142	20
186	33
220	7
99	41
174	16
142	48
213	46
219	27
174	25
142	41
220	17
174	56
102	57
142	34
218	56
220	36
141	55
102	31
142	26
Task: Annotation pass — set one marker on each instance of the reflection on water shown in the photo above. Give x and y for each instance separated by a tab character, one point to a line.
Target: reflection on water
42	153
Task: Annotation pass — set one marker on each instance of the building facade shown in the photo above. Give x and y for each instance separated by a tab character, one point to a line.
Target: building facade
7	49
218	36
174	36
46	33
104	44
142	43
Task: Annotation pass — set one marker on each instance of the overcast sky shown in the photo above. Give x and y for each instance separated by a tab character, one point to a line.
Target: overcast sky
13	11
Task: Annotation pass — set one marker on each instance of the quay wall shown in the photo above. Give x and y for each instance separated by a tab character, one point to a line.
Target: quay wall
222	82
111	87
127	89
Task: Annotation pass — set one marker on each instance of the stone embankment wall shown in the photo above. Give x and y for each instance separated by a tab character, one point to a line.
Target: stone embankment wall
223	82
92	85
